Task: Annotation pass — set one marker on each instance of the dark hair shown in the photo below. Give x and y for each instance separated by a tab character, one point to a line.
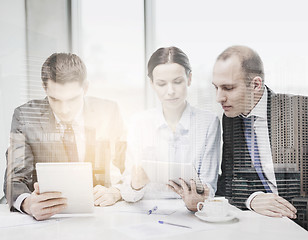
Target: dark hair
63	68
251	62
168	55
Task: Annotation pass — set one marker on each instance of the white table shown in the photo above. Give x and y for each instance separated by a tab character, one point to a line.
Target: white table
110	223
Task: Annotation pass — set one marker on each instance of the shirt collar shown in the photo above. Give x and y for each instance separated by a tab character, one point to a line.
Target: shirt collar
260	110
184	122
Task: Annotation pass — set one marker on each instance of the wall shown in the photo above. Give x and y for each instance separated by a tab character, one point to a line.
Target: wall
30	31
13	79
48	31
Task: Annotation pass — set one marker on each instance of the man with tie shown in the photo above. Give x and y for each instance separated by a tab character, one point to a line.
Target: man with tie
66	126
248	177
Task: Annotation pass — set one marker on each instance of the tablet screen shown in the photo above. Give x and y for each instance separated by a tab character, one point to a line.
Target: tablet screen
73	180
162	172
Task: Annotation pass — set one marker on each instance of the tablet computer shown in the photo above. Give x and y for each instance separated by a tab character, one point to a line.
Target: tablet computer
162	172
73	180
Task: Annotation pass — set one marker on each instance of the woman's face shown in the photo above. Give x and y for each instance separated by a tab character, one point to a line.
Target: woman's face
170	83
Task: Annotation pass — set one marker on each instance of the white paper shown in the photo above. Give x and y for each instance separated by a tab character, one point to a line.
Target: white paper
164	207
18	219
151	230
187	218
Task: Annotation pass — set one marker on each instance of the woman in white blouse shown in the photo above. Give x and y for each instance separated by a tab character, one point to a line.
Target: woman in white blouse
173	132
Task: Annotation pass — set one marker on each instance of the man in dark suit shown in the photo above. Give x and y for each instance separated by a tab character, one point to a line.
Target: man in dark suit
252	117
66	126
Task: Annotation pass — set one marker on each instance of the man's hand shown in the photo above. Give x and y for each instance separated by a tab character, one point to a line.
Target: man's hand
272	205
105	196
43	205
190	197
139	178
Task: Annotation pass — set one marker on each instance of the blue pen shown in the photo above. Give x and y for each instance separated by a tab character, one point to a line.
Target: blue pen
152	210
173	224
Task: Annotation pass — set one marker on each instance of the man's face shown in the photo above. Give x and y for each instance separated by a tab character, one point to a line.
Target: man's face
231	90
65	100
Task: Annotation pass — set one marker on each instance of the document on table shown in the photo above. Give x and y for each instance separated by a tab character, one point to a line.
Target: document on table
151	230
171	227
180	222
18	219
187	218
162	207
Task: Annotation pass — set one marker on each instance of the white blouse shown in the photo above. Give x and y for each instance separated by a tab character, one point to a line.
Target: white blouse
196	140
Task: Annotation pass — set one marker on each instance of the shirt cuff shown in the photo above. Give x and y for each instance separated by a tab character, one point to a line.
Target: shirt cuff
248	201
19	200
129	194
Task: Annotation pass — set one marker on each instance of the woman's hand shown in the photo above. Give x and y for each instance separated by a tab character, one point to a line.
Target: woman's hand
189	196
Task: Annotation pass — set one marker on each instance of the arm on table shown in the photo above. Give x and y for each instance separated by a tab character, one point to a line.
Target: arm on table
19	169
272	205
105	196
19	175
134	178
108	196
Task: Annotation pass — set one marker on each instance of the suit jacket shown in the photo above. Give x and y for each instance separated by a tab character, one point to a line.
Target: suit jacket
36	138
239	178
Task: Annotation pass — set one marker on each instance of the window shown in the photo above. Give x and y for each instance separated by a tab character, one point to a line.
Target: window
204	29
112	46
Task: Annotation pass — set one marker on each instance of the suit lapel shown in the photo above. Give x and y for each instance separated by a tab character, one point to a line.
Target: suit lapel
51	135
47	119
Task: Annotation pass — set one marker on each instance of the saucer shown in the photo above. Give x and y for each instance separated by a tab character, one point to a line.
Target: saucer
203	217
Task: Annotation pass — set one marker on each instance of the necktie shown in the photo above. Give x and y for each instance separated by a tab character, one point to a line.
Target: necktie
69	143
252	145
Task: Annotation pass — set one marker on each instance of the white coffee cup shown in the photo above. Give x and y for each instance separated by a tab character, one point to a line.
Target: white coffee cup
214	207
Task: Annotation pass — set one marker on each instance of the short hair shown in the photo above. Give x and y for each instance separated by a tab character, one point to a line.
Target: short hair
251	62
168	55
63	68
